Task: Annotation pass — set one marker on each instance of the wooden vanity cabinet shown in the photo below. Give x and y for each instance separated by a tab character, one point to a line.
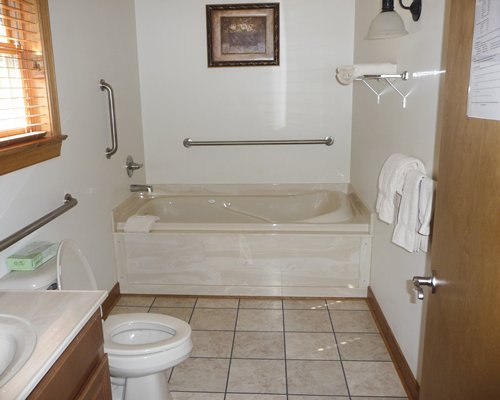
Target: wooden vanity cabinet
81	372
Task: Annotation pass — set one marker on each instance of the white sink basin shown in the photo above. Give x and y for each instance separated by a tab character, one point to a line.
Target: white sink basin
17	342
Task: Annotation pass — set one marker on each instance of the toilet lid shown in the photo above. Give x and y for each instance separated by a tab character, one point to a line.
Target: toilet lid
120	323
73	269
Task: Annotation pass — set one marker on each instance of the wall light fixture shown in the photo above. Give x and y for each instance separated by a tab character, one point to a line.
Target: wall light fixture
389	24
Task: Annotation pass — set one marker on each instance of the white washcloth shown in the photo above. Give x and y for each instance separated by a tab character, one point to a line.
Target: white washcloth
406	230
390	182
140	223
347	73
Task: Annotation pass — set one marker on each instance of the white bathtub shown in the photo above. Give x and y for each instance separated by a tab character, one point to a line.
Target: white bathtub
321	210
241	240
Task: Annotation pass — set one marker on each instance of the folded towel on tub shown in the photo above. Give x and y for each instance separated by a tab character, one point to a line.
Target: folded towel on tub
140	223
391	181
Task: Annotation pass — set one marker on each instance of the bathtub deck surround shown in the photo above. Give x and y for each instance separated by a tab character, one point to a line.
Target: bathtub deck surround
246	240
263	349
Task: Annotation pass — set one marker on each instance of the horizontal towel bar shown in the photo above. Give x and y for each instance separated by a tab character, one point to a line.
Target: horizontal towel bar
190	142
404	76
69	202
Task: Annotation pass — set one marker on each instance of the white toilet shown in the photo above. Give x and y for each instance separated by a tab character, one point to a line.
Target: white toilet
140	346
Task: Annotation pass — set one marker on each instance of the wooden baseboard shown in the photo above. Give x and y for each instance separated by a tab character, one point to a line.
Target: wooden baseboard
409	382
111	300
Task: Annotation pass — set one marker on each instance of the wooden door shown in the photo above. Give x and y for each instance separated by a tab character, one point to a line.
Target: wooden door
462	339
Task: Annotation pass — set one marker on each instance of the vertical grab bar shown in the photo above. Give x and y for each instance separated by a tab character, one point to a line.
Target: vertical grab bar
112	119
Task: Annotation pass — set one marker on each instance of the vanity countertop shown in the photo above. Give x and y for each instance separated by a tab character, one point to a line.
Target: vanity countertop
57	317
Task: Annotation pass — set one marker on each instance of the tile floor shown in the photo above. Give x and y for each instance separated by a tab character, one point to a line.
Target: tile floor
246	349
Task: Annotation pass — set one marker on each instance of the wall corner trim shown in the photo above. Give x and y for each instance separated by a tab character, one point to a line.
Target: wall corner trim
409	382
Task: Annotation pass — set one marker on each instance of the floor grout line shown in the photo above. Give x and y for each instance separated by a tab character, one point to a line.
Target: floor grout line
340	355
192	310
284	347
151	305
232	349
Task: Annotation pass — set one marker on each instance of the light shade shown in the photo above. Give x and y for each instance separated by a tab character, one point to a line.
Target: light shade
387	24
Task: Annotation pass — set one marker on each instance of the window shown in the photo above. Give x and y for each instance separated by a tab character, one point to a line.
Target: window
29	118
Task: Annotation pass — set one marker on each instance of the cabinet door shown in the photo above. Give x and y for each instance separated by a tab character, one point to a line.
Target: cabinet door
76	365
98	386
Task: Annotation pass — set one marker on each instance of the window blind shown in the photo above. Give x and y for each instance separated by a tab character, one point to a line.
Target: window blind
24	110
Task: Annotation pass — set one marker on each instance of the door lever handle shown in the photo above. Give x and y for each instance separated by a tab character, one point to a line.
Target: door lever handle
419	281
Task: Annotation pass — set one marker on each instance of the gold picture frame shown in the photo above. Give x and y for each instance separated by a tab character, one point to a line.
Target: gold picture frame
241	35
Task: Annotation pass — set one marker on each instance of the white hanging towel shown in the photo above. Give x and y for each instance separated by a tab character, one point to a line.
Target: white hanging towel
347	73
425	207
406	230
140	223
391	181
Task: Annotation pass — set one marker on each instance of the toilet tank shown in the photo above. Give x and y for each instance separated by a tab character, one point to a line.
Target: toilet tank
42	278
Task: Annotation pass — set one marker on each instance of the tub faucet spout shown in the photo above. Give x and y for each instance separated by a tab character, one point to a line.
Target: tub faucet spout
141	188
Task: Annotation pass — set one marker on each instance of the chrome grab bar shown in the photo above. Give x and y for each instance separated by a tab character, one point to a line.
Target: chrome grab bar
112	118
69	202
188	142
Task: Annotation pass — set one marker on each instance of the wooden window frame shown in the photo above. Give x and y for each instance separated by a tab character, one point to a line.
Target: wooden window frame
23	154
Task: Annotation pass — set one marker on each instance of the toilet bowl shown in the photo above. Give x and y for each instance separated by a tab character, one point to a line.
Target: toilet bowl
140	346
136	343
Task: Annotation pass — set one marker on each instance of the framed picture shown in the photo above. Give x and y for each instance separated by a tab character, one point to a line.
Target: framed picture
241	35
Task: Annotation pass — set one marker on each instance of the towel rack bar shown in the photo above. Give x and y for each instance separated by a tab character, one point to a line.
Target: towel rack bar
69	202
190	142
404	76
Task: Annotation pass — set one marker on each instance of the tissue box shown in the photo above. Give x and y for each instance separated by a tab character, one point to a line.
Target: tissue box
32	256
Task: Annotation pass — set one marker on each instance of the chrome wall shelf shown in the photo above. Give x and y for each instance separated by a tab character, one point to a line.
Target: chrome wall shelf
388	79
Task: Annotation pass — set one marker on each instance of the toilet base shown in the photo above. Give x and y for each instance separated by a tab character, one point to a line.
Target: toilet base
150	387
117	389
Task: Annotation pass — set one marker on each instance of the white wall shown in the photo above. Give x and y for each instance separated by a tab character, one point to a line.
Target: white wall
181	97
380	130
93	39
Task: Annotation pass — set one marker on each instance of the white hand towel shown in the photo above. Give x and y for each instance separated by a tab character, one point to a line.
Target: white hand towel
347	73
390	182
405	232
425	206
140	223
